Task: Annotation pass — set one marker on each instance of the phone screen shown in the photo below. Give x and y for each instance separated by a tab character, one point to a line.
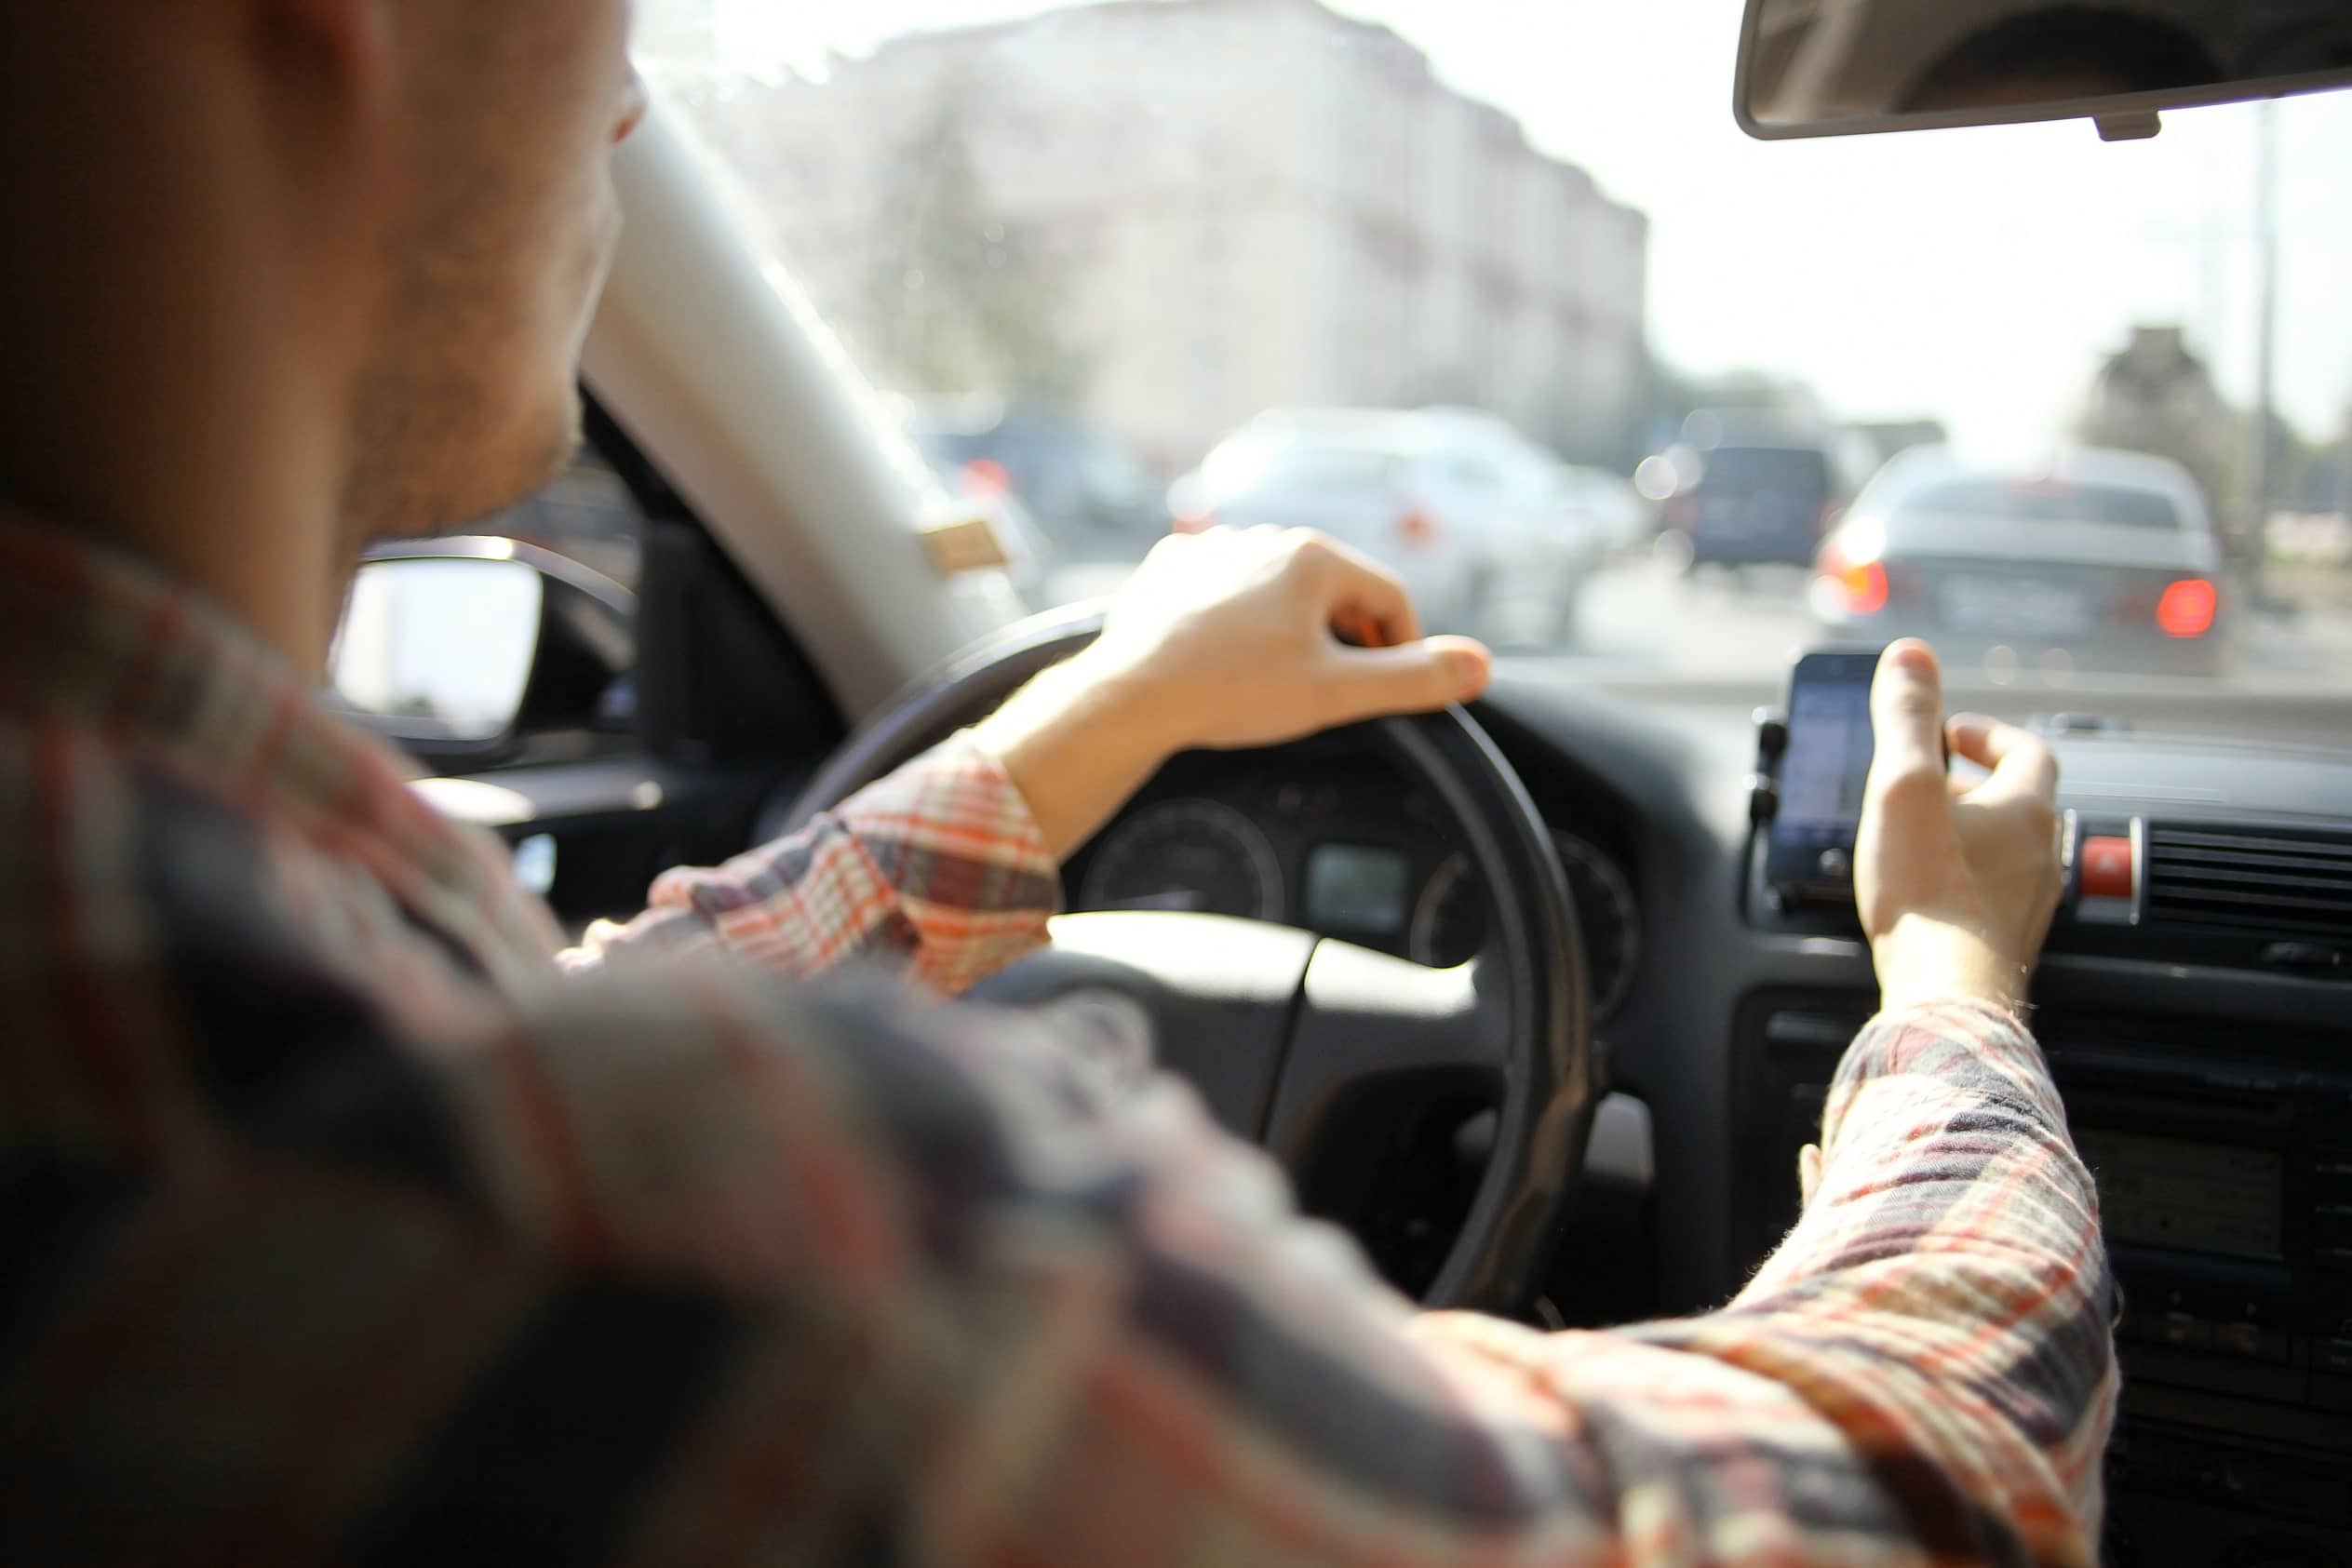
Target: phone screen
1811	845
1830	743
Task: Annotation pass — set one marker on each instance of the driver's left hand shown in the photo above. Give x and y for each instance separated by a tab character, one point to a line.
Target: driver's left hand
1223	639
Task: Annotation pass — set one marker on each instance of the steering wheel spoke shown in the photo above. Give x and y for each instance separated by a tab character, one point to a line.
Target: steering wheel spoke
1218	993
1367	1021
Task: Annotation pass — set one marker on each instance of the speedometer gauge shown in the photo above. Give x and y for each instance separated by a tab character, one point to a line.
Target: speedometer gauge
1451	920
1193	855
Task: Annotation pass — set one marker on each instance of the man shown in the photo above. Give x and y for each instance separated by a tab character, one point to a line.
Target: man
342	1225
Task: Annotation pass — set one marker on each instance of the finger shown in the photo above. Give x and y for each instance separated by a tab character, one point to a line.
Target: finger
1412	677
1809	1172
2023	766
1356	588
1906	713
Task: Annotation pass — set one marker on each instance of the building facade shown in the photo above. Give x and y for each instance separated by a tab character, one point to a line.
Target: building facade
1219	206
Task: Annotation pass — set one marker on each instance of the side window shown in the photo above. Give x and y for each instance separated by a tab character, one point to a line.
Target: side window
587	515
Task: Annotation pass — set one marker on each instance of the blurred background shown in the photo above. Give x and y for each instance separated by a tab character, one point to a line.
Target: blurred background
1500	293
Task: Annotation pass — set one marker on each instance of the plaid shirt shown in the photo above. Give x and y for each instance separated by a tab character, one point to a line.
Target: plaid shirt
346	1224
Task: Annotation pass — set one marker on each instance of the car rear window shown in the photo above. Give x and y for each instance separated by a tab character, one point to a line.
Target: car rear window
1295	466
2041	501
1746	470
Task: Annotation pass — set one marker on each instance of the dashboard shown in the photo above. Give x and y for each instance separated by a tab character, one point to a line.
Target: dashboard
2195	1002
1332	839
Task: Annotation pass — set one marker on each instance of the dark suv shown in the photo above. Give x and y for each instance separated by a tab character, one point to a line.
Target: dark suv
1754	502
1090	496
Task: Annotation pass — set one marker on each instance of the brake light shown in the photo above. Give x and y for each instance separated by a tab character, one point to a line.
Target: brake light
2187	609
984	477
1851	586
1416	532
1864	587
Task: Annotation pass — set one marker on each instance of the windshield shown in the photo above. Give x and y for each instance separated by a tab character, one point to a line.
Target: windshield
1276	464
2025	501
1165	224
1739	468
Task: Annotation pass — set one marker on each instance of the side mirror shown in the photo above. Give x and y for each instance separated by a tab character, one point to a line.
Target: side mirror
438	649
464	650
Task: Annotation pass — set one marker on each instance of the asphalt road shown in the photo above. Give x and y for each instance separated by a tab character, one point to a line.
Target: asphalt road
1728	642
1639	614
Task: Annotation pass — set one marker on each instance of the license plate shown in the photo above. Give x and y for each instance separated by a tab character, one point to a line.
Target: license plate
2021	606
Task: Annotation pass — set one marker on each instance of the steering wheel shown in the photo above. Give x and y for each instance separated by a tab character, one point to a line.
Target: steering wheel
1281	1030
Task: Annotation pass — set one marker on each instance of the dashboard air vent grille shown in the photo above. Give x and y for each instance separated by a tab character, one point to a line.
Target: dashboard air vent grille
2283	884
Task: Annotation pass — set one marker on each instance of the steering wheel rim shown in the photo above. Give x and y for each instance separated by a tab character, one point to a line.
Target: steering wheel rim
1336	1027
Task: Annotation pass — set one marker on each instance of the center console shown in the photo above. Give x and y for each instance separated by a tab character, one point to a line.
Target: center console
2225	1183
2217	1122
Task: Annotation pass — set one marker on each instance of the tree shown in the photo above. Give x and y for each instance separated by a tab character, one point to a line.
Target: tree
957	297
2155	396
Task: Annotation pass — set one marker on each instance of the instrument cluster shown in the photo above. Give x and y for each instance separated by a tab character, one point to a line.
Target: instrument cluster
1343	846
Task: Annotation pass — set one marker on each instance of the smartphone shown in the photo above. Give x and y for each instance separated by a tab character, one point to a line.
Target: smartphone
1809	848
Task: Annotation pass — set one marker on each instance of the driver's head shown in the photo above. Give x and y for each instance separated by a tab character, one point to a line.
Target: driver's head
293	250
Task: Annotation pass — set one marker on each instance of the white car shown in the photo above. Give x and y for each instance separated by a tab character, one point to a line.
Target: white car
1471	513
1612	514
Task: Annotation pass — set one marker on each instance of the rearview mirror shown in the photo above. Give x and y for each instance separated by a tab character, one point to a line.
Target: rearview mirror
1841	67
440	649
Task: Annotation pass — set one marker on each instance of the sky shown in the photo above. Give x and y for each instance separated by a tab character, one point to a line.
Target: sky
1974	275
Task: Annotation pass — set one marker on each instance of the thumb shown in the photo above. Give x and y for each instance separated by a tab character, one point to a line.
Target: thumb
1906	716
1412	677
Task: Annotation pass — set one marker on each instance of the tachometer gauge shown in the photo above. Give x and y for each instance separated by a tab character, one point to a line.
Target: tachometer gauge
1451	919
1450	922
1607	916
1193	855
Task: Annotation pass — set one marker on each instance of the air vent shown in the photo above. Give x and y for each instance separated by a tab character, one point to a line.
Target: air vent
2278	884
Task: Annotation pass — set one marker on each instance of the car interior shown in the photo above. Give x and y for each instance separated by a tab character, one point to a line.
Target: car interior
1538	998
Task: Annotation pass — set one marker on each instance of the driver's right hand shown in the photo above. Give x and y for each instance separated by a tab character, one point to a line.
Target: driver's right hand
1957	882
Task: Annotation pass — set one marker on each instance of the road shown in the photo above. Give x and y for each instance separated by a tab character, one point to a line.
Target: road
1641	625
1641	614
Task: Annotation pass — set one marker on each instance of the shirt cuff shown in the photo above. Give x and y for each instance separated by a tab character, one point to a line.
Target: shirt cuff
954	835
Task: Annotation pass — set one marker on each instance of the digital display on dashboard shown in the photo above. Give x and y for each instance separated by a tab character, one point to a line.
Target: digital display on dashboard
2205	1198
1353	888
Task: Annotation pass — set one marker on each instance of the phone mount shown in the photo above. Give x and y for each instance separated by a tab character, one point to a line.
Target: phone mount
1764	783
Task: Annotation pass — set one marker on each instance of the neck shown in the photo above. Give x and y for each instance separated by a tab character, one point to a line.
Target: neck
175	390
235	500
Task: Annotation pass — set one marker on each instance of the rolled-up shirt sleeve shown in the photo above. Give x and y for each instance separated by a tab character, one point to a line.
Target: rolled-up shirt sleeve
938	872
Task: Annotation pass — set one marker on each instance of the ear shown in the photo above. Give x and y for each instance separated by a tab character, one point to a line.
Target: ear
341	48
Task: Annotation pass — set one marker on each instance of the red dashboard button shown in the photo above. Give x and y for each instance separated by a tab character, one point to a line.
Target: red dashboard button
2108	870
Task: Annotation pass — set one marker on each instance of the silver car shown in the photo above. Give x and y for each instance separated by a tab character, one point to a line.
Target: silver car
1469	512
2099	560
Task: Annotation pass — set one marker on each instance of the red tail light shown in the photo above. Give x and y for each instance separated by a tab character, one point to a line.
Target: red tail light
2187	609
985	477
1854	587
1416	532
1865	588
